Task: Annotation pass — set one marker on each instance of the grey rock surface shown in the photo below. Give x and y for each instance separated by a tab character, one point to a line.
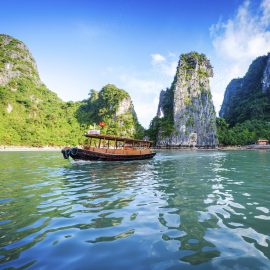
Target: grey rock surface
266	76
231	92
16	60
194	117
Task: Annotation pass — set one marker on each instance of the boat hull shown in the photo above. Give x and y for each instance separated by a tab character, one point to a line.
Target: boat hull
82	154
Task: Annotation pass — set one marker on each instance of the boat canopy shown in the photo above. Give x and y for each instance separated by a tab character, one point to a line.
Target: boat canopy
118	139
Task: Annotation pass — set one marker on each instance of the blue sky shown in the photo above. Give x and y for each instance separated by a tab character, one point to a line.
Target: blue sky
83	45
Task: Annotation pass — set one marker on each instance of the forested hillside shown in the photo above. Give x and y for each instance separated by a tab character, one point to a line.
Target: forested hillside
31	114
245	112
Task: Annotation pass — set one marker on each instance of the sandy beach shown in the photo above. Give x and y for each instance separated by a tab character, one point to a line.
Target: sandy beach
4	148
219	148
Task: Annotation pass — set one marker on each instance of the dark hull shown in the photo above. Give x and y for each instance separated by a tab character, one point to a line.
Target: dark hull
81	154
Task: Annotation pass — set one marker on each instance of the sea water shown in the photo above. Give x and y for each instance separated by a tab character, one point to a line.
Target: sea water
180	210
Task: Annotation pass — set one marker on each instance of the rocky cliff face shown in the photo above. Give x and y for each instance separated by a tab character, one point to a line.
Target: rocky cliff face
231	91
248	98
16	60
266	75
125	115
188	106
125	106
161	104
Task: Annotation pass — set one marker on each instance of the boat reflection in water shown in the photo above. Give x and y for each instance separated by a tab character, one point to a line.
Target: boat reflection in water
110	148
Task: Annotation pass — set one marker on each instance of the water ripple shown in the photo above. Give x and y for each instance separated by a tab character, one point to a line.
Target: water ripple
190	210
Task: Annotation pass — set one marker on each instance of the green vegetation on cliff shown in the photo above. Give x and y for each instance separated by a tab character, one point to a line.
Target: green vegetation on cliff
247	101
31	114
244	133
114	107
163	126
246	107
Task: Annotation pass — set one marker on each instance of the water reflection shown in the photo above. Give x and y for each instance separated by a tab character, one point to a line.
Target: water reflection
230	202
186	203
196	210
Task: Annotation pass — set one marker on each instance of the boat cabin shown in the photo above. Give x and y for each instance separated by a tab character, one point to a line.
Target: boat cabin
116	145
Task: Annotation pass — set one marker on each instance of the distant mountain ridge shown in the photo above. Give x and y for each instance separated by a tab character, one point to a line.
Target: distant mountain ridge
31	114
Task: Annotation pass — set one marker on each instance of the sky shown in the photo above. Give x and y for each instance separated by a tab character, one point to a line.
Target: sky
135	44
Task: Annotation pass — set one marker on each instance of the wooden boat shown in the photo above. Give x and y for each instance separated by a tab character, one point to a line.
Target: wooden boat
110	148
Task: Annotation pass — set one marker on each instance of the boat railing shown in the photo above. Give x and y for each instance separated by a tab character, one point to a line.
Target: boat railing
114	142
130	151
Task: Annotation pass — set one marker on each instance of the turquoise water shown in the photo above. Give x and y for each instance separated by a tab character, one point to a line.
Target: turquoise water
180	210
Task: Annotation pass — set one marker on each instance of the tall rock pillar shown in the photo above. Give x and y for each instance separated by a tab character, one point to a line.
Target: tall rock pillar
194	117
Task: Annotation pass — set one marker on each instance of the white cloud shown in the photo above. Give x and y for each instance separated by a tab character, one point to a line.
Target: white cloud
237	42
144	94
143	86
157	58
265	6
166	66
169	69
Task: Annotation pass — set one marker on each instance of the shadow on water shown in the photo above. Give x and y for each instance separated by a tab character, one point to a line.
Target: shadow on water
196	210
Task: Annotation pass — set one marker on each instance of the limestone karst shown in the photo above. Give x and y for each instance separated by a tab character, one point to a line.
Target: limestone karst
186	114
